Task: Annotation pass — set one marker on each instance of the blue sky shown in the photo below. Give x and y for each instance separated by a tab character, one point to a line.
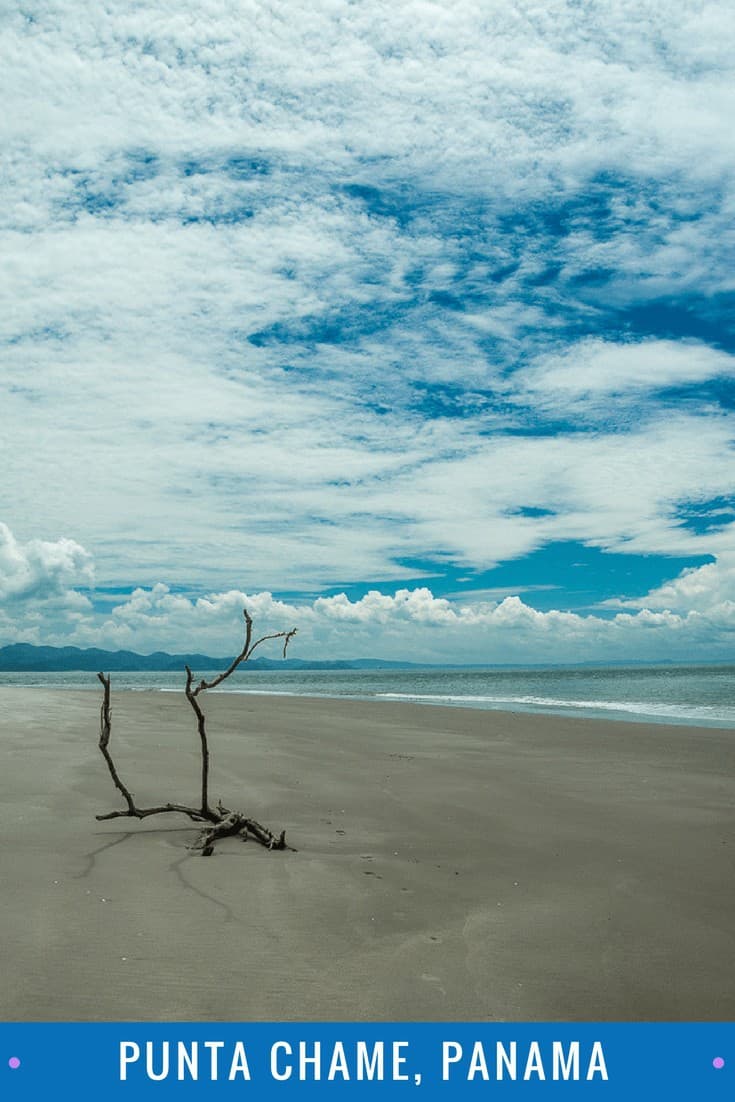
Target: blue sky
411	325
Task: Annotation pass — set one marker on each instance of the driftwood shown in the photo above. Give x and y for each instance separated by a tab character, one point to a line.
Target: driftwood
217	822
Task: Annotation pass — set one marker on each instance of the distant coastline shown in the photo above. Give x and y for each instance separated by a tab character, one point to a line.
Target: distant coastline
25	657
29	658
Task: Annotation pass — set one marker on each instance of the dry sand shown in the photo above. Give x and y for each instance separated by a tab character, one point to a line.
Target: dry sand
452	865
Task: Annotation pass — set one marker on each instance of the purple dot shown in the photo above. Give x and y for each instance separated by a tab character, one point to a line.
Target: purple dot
14	1062
718	1062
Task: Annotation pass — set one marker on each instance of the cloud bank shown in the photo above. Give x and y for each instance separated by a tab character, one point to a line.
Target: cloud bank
693	617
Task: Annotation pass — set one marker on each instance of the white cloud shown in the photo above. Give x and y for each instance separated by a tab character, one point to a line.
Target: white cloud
567	83
615	490
42	570
595	371
407	624
38	587
708	589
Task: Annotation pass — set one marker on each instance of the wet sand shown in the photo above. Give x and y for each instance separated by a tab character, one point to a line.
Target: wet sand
452	865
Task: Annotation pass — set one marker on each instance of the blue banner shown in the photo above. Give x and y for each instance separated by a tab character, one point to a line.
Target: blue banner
291	1062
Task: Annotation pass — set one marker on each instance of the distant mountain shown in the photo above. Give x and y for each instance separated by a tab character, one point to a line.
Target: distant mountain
26	658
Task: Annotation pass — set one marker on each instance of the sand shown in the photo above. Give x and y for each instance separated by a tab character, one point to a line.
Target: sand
452	865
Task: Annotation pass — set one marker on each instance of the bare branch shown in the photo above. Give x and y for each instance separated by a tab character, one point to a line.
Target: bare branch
144	812
193	693
287	635
242	657
223	822
191	696
105	732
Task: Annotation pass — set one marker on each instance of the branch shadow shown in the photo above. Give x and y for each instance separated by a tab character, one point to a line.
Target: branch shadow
175	866
91	857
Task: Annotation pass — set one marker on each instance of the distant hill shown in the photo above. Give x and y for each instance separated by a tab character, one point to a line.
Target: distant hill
26	658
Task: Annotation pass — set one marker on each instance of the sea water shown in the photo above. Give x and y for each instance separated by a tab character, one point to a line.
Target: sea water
698	695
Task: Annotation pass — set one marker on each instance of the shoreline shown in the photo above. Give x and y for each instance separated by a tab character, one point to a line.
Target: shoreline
602	712
453	864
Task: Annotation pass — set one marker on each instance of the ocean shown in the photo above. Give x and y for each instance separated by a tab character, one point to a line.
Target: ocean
698	695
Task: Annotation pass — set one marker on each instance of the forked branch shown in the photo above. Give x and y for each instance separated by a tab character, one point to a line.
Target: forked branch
192	694
222	821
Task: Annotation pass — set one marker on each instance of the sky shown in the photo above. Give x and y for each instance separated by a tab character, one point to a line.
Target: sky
408	324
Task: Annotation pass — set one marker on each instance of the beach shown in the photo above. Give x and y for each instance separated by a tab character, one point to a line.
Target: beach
451	864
